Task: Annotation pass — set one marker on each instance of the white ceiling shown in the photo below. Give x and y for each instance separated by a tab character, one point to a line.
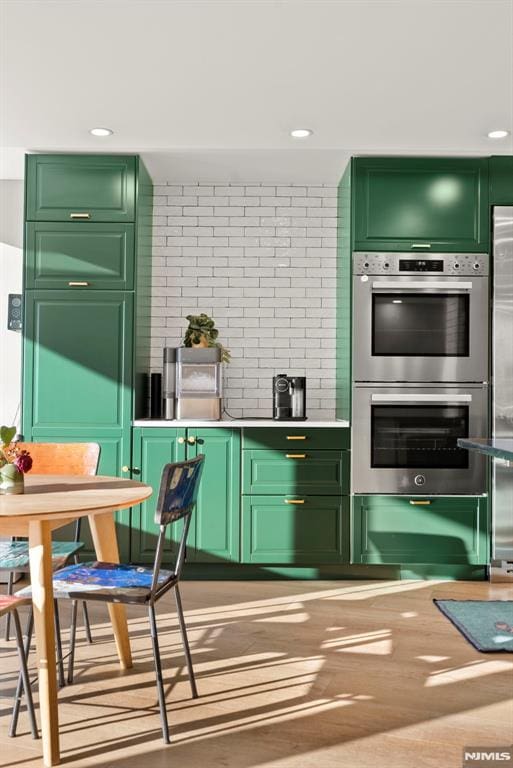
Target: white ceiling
209	90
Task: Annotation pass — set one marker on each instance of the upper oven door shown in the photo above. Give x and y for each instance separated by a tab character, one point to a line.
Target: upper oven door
420	328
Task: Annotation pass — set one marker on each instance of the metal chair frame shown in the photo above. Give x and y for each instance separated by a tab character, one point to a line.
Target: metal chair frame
175	502
23	678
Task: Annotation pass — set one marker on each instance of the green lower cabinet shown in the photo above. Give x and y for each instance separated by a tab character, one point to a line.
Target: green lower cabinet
151	450
295	471
403	530
214	533
275	530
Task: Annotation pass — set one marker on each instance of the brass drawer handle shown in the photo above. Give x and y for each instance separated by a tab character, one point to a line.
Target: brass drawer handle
78	283
294	501
295	455
80	215
421	245
420	503
296	437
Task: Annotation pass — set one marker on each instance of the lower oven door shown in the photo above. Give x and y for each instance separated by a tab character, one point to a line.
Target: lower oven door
405	439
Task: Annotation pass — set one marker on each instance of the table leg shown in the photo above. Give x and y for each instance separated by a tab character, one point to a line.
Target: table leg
40	548
103	531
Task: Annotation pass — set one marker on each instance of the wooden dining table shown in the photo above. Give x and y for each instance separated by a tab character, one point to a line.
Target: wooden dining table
50	502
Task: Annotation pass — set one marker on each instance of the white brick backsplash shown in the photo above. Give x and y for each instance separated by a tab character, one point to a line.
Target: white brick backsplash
261	260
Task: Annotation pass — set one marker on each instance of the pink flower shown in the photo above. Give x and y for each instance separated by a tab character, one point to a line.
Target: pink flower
23	462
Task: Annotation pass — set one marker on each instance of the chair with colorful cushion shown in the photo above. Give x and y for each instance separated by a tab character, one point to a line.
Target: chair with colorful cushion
52	459
9	605
131	584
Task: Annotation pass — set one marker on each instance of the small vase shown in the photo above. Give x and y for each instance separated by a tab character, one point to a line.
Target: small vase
11	482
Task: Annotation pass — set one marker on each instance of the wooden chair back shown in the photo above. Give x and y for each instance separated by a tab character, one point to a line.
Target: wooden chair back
63	458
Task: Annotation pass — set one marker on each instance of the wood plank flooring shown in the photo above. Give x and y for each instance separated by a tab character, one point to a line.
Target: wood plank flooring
338	674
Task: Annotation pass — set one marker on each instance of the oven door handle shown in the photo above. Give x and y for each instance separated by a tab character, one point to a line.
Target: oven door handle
452	286
410	398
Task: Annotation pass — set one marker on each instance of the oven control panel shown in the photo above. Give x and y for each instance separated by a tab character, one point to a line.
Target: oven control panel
436	264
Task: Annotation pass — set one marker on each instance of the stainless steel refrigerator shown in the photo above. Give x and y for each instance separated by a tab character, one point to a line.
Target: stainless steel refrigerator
502	391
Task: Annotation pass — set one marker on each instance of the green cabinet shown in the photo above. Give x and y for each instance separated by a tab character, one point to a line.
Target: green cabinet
295	507
296	471
283	531
420	204
80	188
77	361
60	254
437	529
215	528
501	180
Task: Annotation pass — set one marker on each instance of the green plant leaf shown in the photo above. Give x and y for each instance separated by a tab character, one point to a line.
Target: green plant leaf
7	434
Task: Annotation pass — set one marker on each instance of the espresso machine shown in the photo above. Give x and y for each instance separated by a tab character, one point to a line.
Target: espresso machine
289	397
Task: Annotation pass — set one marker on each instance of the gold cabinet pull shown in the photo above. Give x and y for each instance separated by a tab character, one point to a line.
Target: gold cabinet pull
191	440
296	437
181	440
80	215
294	501
421	245
78	283
125	468
420	502
295	455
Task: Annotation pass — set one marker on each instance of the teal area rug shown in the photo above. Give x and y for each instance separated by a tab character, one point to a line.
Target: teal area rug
487	624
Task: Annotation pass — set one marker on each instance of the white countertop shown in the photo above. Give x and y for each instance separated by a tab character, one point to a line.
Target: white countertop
239	423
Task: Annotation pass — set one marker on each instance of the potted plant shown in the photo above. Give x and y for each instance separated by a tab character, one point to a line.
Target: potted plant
14	462
203	333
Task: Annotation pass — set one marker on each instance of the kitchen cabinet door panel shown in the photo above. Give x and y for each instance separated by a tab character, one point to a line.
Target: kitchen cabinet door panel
77	359
392	529
296	471
101	255
80	188
421	204
312	532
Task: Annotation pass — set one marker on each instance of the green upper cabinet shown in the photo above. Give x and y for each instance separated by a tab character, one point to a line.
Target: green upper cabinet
501	180
80	188
62	255
420	204
436	529
77	360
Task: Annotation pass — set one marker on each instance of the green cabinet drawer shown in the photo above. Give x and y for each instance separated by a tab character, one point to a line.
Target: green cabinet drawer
312	532
77	360
296	471
501	180
80	188
300	438
100	255
420	204
398	529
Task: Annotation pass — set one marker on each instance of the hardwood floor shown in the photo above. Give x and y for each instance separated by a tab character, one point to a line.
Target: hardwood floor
338	674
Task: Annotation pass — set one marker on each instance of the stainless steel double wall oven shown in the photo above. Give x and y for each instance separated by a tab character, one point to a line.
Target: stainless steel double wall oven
420	371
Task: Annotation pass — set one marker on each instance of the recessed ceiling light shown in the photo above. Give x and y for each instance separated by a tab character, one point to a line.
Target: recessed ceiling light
101	131
501	134
301	133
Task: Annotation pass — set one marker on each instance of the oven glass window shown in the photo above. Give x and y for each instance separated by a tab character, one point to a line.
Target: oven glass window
408	436
417	324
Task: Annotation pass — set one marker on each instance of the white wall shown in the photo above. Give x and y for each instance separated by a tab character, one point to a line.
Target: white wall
261	260
11	259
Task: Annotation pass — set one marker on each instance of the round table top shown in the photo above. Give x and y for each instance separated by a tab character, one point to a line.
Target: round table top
49	496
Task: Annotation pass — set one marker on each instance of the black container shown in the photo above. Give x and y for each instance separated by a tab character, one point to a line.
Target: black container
156	396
